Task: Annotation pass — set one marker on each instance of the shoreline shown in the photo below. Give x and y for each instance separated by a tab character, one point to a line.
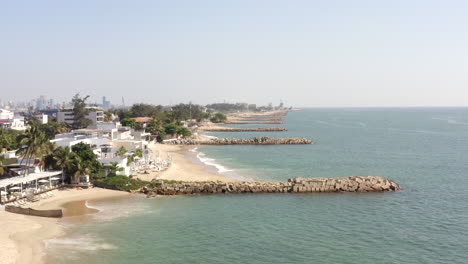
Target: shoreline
183	167
24	241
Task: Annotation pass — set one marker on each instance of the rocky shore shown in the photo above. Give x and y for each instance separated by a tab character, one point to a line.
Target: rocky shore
252	122
239	141
230	129
296	185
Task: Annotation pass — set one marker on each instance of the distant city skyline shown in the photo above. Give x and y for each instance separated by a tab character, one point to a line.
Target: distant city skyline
333	53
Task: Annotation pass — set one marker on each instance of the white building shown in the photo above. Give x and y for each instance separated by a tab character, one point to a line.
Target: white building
8	120
87	136
42	118
95	115
6	115
105	139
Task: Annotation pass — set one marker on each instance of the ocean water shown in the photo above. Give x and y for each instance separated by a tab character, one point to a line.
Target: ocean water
424	149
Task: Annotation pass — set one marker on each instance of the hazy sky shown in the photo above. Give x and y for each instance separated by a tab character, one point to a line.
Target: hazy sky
308	53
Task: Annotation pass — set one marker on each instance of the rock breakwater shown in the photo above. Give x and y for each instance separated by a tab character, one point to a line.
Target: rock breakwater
295	185
230	129
252	122
247	141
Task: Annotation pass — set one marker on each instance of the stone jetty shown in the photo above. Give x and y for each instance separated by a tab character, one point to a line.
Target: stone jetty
243	141
232	129
359	184
252	122
256	118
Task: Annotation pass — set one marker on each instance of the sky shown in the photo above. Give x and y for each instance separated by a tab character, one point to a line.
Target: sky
311	53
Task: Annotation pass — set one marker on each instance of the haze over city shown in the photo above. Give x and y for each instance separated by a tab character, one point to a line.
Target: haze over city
308	53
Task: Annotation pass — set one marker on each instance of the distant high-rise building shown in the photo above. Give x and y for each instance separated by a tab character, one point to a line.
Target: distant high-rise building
41	103
51	103
105	103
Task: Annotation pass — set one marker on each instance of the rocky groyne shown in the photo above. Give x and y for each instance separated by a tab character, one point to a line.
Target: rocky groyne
296	185
231	129
252	122
243	141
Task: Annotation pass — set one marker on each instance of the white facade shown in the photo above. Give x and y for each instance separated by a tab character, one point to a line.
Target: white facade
6	115
70	139
122	163
105	139
68	116
43	119
8	120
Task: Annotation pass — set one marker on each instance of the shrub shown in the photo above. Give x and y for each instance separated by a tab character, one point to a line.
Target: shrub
119	182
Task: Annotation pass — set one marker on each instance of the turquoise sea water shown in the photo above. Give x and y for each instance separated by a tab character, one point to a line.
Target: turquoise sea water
423	149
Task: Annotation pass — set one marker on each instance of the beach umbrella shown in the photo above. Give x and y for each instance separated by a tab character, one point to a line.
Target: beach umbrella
15	188
43	181
55	178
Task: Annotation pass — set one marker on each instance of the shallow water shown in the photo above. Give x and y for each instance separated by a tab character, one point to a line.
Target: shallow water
423	149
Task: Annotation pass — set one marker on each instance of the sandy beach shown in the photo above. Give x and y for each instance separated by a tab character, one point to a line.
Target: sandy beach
182	168
22	237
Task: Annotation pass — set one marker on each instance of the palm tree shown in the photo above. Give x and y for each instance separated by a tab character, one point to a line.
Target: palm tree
121	151
114	168
80	169
32	144
64	159
44	152
2	159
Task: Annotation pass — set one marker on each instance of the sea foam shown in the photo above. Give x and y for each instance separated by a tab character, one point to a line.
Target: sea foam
211	162
80	243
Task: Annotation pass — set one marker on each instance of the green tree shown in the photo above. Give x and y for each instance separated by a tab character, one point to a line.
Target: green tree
187	111
145	110
170	129
2	159
130	122
33	144
8	139
121	151
80	111
114	168
156	127
64	159
184	131
45	154
218	118
121	113
87	157
108	117
139	153
53	128
205	116
80	168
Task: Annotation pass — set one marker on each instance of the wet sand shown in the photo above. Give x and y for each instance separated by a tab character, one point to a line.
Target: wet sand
183	168
22	237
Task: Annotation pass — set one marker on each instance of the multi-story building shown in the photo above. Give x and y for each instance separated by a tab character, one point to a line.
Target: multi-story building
8	120
95	115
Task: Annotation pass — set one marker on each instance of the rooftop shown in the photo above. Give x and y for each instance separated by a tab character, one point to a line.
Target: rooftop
143	119
31	177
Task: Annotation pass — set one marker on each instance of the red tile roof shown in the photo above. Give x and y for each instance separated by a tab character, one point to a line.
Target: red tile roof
143	119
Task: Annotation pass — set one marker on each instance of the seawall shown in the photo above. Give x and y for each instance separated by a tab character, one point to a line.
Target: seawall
230	129
29	211
239	141
252	122
296	185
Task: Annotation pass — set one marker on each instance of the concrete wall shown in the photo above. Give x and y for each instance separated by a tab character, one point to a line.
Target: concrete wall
29	211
